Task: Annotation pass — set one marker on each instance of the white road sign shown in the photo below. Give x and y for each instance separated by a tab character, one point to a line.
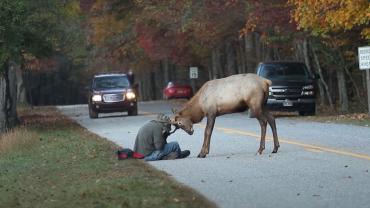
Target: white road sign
193	72
364	57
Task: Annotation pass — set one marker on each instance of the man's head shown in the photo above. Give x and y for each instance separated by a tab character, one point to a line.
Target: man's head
166	120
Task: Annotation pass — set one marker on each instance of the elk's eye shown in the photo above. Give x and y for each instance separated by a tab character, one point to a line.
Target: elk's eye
179	123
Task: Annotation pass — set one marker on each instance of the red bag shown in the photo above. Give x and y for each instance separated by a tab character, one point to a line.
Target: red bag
127	153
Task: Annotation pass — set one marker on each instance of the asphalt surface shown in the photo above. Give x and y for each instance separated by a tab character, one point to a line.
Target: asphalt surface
318	164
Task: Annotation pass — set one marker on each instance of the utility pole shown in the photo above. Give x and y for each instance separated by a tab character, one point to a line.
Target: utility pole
368	89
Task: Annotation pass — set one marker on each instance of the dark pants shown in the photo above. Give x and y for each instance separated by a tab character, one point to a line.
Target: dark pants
167	149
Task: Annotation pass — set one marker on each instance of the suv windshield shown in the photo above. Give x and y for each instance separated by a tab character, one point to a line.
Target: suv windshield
110	82
284	71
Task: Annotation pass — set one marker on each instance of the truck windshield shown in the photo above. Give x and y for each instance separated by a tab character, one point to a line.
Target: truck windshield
284	71
111	82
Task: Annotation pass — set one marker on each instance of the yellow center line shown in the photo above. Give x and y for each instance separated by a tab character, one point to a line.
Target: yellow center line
308	147
147	113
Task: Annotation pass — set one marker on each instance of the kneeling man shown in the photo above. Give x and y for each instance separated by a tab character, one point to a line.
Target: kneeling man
151	141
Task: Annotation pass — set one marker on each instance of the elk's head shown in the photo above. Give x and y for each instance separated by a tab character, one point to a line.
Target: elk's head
183	122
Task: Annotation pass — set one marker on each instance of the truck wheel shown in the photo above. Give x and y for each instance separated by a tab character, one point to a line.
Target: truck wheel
132	112
307	113
93	114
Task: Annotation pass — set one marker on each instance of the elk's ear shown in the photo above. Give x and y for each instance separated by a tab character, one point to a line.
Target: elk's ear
174	111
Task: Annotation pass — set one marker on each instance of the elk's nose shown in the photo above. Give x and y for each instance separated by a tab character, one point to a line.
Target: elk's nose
191	131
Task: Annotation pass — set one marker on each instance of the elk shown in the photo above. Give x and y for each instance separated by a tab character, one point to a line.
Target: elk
236	93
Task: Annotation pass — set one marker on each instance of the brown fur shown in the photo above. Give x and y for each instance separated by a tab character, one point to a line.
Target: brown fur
228	95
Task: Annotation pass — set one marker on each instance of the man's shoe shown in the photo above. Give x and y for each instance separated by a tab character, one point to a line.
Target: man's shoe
171	156
184	154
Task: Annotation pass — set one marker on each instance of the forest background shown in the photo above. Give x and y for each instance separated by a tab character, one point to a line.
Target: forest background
49	50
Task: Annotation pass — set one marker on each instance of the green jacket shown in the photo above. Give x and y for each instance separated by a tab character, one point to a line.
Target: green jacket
152	136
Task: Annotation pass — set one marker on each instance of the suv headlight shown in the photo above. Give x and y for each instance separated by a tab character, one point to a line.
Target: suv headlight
270	91
130	95
96	98
308	90
308	87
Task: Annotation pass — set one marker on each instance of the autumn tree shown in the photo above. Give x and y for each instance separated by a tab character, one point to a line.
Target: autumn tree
340	26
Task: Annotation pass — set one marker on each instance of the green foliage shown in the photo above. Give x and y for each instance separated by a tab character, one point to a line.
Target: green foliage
12	17
38	27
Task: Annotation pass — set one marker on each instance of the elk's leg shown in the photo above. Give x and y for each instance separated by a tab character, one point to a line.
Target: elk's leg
257	112
271	121
263	123
207	136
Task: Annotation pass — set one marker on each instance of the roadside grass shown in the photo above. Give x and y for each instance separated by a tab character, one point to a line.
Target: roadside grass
50	161
360	119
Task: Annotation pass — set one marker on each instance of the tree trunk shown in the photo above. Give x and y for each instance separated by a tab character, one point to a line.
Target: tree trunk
342	90
210	67
323	86
306	55
153	88
348	73
298	51
250	53
3	103
258	47
166	70
28	87
21	92
268	53
8	98
230	58
216	65
241	58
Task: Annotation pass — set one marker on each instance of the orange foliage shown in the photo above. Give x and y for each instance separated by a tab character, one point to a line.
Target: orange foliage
104	24
326	16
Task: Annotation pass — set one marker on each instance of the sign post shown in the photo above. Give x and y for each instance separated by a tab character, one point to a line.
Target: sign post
193	74
364	64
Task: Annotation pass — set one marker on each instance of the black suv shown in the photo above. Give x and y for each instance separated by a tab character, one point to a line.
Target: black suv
112	93
292	89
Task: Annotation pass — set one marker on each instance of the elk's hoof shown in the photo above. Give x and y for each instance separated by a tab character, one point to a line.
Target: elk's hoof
201	155
275	150
260	150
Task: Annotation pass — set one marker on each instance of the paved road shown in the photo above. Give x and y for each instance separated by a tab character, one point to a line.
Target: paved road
318	164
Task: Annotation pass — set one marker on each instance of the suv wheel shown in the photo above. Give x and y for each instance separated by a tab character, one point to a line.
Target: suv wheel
92	113
132	111
311	112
